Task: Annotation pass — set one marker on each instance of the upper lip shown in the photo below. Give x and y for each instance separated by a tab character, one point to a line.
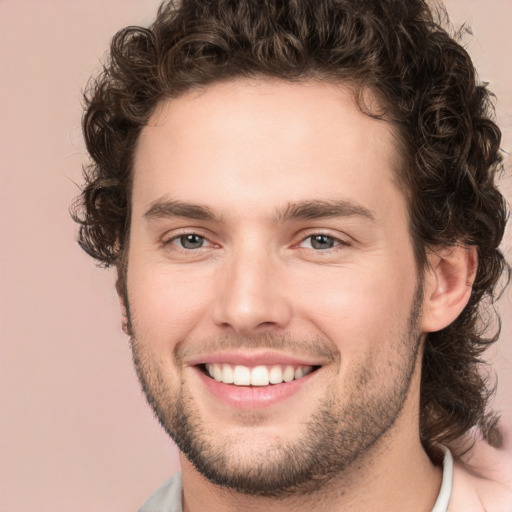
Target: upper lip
248	358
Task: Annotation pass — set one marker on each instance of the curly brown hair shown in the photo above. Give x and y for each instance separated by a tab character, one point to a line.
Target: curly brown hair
424	78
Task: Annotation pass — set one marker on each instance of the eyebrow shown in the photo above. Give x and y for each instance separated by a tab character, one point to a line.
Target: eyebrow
162	208
322	209
298	210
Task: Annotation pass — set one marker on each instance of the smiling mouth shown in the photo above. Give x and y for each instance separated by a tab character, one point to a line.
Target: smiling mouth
262	375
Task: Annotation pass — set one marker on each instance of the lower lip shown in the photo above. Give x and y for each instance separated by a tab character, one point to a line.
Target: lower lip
253	397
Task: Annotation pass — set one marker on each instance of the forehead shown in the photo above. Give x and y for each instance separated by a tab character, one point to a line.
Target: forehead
253	143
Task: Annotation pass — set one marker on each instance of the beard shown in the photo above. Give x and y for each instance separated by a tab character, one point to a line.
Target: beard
347	423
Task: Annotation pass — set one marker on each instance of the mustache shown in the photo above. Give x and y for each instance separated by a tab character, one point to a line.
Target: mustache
317	347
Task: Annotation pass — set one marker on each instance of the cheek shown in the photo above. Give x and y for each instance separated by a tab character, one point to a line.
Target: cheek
164	303
358	307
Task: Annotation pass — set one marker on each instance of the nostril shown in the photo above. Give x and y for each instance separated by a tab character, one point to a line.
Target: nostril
247	306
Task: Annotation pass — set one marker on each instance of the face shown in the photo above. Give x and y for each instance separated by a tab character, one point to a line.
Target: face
272	288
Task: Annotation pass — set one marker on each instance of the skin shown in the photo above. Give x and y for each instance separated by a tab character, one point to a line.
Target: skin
246	151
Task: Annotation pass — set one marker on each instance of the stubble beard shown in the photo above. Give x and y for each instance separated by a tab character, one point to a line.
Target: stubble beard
335	437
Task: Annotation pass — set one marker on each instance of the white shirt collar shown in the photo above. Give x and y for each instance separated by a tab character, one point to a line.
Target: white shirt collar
443	498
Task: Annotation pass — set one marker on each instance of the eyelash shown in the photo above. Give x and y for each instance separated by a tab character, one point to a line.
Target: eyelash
337	242
184	236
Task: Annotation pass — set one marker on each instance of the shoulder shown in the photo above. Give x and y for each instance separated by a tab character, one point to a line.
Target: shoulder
167	498
472	492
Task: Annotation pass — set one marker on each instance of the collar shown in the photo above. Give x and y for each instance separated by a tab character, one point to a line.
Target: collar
445	492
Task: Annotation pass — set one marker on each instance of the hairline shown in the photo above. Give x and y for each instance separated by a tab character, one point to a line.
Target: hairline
400	164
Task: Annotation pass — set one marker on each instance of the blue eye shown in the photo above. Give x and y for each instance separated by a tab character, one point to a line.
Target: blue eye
190	241
321	242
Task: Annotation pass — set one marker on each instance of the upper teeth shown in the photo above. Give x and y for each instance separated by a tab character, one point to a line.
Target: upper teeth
256	376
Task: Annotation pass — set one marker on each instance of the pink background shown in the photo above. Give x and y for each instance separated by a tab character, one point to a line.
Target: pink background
75	431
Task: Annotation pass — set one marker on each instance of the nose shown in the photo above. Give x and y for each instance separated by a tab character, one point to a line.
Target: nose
251	296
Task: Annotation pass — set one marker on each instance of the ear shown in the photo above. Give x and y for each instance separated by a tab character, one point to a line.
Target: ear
121	295
125	322
448	282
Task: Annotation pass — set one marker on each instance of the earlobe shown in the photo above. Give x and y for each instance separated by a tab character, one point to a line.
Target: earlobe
448	282
125	323
121	295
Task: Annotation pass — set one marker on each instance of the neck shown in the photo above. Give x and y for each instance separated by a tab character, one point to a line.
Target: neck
396	474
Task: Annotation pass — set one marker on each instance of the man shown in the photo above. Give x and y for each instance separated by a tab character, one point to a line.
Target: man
299	200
